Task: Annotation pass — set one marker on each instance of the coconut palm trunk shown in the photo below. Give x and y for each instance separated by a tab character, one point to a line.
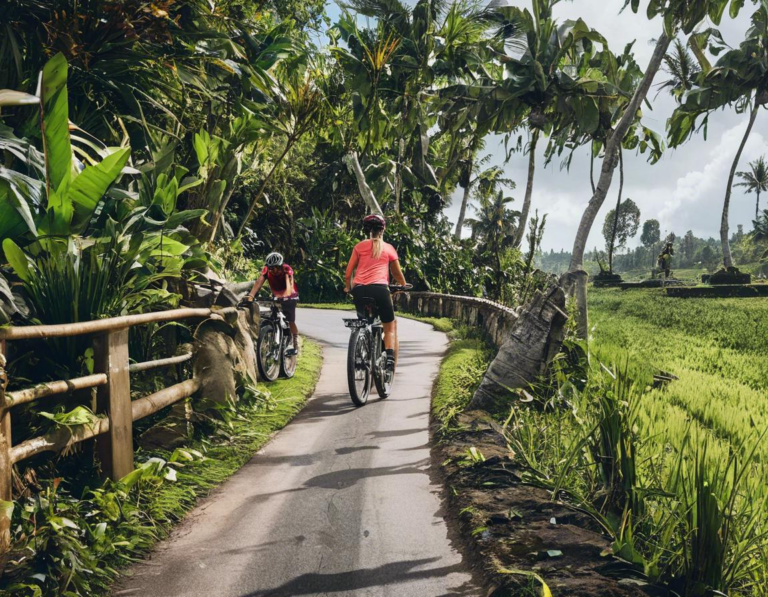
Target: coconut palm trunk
727	259
528	188
464	201
616	215
399	174
575	279
757	205
353	163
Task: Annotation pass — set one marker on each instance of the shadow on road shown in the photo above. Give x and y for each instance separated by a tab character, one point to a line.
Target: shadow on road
395	432
388	574
352	449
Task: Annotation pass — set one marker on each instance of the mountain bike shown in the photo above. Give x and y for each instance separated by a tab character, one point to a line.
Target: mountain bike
274	340
366	356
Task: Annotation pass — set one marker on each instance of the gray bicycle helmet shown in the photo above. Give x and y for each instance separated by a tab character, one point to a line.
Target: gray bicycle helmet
274	260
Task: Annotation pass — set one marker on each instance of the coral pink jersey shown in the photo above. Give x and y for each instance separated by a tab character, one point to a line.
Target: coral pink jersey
373	271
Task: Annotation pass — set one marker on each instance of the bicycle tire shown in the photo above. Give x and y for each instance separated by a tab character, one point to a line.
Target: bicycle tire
268	359
381	377
358	367
287	363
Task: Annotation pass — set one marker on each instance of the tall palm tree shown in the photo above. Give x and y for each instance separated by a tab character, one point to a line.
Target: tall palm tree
760	233
483	182
684	16
534	77
755	180
683	71
396	83
494	228
739	79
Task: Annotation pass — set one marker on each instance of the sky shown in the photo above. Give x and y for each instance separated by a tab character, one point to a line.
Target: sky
684	191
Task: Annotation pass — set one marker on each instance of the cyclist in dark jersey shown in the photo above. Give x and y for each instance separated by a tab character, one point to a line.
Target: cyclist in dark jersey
279	275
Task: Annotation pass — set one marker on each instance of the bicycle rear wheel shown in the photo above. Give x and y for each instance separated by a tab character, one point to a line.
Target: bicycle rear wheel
268	354
359	366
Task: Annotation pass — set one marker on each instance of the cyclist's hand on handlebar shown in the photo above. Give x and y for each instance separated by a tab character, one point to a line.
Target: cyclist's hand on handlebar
346	290
400	288
246	301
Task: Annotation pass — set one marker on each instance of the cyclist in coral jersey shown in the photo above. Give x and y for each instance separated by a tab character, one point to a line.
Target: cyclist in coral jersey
281	283
370	263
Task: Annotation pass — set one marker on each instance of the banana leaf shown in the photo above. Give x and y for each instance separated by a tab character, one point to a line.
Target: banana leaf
58	146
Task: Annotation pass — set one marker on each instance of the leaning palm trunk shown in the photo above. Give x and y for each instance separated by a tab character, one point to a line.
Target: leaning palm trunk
528	188
464	202
727	259
365	191
575	279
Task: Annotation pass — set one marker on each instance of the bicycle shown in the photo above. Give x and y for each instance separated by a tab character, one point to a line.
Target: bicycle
366	357
274	340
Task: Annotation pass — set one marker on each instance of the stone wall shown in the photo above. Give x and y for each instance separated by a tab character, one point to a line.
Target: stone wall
496	319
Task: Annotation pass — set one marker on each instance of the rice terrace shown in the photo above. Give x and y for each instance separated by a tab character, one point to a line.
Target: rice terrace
381	298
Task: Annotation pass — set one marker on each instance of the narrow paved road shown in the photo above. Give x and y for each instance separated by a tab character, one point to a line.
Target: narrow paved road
340	503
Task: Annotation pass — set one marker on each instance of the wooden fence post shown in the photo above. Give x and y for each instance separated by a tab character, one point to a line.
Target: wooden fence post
6	466
115	449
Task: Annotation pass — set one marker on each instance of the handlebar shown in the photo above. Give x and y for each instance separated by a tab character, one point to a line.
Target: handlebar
398	288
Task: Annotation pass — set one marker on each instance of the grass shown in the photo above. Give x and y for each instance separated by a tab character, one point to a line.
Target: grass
246	436
691	275
338	306
115	524
461	372
675	473
717	349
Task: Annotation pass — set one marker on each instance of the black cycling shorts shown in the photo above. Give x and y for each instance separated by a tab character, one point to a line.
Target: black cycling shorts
379	293
289	309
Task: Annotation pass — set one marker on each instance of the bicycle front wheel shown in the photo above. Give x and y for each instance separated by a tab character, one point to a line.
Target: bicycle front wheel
268	353
359	366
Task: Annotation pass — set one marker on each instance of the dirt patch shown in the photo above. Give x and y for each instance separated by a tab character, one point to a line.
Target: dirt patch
505	524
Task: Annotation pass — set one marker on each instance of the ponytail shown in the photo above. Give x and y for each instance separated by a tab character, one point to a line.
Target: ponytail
377	244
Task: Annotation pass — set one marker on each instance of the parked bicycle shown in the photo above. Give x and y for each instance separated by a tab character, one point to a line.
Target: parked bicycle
366	357
273	343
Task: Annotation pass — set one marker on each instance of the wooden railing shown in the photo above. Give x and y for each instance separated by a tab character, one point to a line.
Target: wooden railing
115	410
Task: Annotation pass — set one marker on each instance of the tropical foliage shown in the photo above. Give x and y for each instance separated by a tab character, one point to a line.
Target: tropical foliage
148	146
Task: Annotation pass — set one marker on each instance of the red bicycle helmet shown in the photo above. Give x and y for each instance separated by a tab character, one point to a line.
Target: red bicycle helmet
374	222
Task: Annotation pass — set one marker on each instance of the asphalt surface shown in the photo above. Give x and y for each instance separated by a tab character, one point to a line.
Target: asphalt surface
340	503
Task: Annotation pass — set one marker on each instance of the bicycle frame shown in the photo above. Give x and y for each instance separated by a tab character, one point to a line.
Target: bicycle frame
270	350
276	316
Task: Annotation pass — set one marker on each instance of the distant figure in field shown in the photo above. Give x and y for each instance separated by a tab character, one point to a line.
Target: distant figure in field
665	259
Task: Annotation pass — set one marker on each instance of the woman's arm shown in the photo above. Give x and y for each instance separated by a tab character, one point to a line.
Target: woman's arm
351	266
289	285
257	286
397	272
